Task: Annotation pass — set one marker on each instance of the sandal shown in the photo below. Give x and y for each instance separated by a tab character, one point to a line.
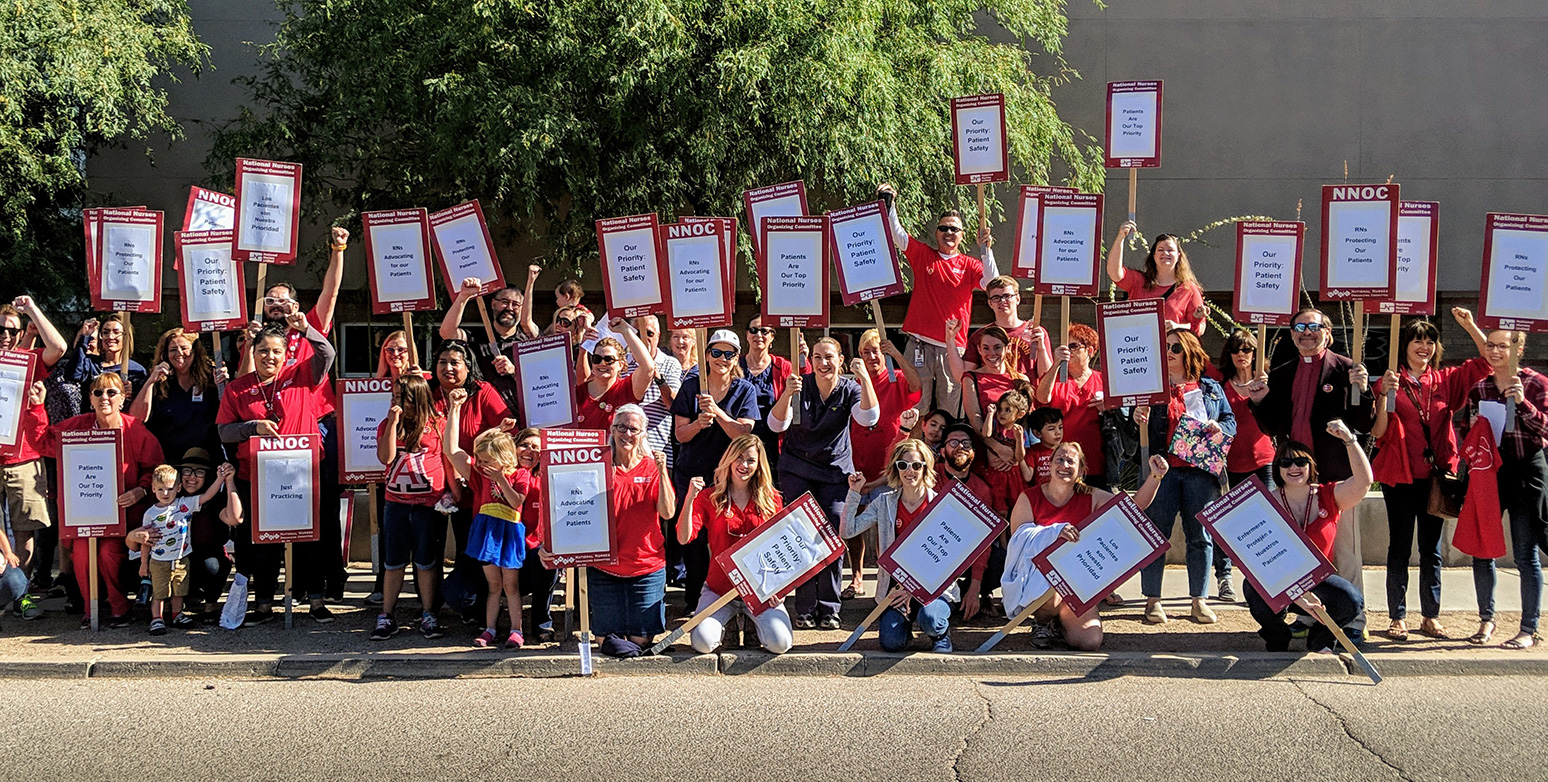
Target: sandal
1522	641
1398	630
849	593
1432	628
1485	632
1113	599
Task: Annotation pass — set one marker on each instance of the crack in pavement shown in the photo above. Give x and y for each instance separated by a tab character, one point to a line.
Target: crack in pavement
967	739
1344	724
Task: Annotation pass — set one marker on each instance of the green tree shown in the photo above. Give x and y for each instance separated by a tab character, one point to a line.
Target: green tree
75	75
560	112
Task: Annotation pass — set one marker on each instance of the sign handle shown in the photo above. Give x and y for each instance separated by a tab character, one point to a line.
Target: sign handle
795	366
1393	364
1037	310
1357	350
983	211
1133	184
263	276
569	599
1064	335
1015	622
289	598
881	330
220	360
483	314
1262	348
693	622
1514	365
376	529
1144	455
585	623
1343	640
123	352
408	332
699	337
91	576
865	624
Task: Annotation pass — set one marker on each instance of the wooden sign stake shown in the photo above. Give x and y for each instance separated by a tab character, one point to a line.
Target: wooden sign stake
1343	640
1262	348
483	314
585	623
693	622
1514	365
1393	362
289	598
1133	183
881	330
1015	622
795	366
91	575
1357	350
408	332
262	290
865	624
1064	335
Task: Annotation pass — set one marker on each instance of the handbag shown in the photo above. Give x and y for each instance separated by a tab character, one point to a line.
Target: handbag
1447	489
1199	445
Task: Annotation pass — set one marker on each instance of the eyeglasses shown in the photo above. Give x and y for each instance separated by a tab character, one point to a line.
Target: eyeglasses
627	429
959	442
1176	348
197	472
596	359
725	354
102	392
1294	461
1003	297
948	229
760	331
269	301
1304	327
1496	346
513	303
901	465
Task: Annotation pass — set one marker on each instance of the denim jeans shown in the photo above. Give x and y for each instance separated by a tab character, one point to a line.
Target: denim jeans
1483	588
896	629
1523	485
1185	489
13	584
1406	505
208	570
1342	601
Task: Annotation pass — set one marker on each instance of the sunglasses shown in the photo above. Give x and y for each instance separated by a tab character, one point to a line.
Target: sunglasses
397	351
726	354
1300	328
10	332
1074	346
1294	461
948	229
565	322
1176	348
764	331
1241	350
102	392
596	359
901	465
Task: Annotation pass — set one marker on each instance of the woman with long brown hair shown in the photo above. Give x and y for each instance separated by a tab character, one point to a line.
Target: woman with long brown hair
181	396
1166	275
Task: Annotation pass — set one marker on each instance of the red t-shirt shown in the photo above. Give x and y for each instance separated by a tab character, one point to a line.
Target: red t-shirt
417	477
298	350
641	545
1251	448
1040	459
483	410
943	289
598	413
1018	353
872	444
1082	424
1044	512
1322	529
528	485
989	388
290	400
905	518
725	529
1181	307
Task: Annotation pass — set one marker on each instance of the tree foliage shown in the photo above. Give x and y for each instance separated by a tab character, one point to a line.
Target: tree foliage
558	112
75	75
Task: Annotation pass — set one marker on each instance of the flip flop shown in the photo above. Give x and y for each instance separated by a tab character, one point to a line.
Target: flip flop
1430	628
849	593
1485	632
1398	631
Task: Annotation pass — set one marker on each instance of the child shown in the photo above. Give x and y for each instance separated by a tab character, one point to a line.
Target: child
568	294
1001	426
167	562
497	538
408	441
1048	424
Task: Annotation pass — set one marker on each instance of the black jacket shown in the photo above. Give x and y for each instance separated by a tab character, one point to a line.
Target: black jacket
1332	401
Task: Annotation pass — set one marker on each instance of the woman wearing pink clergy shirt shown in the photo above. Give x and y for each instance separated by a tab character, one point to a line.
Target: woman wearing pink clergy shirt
944	281
896	391
1078	398
1166	275
605	387
1427	397
141	456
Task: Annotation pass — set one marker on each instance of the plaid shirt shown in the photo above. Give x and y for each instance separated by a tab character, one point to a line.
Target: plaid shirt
1531	432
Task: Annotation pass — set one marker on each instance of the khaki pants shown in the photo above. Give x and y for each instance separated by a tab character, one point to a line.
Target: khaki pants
936	388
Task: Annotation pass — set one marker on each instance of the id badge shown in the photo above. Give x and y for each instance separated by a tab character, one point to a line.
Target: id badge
919	356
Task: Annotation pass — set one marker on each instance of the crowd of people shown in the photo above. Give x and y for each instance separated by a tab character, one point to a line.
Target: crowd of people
709	441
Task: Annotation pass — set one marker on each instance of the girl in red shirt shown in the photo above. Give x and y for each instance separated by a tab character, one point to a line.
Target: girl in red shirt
408	441
742	499
1166	275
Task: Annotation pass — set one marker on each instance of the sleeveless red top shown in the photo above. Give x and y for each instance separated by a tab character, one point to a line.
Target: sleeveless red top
1044	512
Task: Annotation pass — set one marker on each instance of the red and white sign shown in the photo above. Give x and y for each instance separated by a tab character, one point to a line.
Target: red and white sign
363	405
287	476
1359	241
1133	125
398	260
694	268
1268	271
91	222
209	210
211	287
1116	541
1418	240
1133	338
864	255
729	223
545	381
951	531
1069	242
630	271
781	554
129	260
1514	295
978	139
1260	538
793	271
268	211
90	481
787	199
464	248
577	514
16	376
1024	251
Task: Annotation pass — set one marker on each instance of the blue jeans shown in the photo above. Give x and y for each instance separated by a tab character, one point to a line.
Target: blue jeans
1185	489
1523	487
1344	605
633	606
896	630
13	584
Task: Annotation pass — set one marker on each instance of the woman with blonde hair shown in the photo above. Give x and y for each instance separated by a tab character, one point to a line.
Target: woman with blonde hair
742	499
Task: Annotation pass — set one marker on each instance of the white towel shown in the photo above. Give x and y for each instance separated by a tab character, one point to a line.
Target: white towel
1023	582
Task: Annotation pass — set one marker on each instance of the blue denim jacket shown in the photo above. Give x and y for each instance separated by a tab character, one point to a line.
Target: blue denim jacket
1215	405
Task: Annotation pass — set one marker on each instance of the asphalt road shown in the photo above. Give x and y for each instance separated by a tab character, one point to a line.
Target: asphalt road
778	728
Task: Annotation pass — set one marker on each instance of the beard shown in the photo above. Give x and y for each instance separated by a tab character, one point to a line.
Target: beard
506	317
960	461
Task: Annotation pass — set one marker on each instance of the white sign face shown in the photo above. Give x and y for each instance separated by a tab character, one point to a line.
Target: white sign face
784	206
577	509
210	216
462	245
128	254
284	488
942	543
400	262
1067	246
632	254
698	278
1413	269
210	278
794	260
546	396
979	145
267	204
1359	234
1133	131
1518	283
363	412
862	250
1269	284
780	555
87	474
1139	368
1108	547
1257	532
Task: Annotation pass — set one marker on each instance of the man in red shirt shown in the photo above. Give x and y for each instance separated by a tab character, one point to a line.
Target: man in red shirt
944	281
23	477
1028	341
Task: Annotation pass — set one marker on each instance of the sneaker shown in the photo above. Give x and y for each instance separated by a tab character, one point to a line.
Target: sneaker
1227	594
157	627
116	622
374	599
321	614
183	621
514	640
484	639
805	622
1042	635
545	636
942	645
829	622
430	628
28	608
385	628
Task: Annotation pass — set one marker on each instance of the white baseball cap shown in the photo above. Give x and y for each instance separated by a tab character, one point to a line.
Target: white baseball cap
727	336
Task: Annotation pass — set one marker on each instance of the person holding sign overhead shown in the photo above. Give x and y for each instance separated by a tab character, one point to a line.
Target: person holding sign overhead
181	396
1167	275
1304	393
1078	397
1315	508
1186	487
25	484
817	457
141	456
510	318
607	388
944	281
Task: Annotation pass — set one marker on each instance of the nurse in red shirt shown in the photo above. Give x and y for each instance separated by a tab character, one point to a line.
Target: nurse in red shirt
742	498
1166	275
605	387
1316	508
628	599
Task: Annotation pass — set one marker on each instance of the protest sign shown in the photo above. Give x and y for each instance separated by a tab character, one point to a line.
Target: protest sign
1069	244
1116	541
978	139
129	260
287	475
17	368
864	255
1418	249
577	514
363	404
90	482
398	260
631	284
1268	272
787	199
694	269
782	553
464	248
209	210
1515	273
951	531
1133	338
794	271
212	288
1133	125
1359	241
1024	251
1271	550
268	211
545	379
